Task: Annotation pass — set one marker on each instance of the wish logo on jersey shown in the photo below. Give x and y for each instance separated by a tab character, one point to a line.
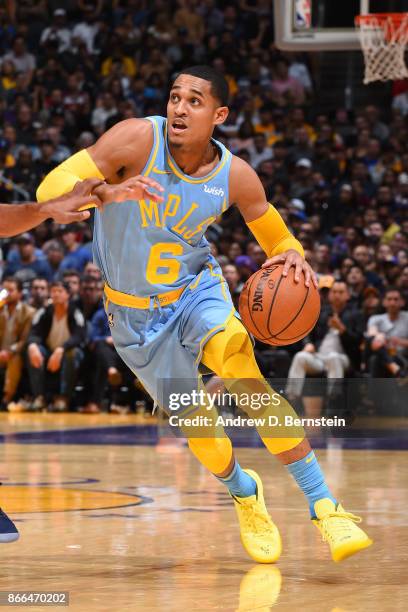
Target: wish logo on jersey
217	191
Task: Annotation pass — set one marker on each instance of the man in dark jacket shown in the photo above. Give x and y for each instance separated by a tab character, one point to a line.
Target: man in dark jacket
54	345
333	347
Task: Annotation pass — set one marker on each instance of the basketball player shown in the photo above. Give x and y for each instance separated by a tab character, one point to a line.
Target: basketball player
18	218
167	302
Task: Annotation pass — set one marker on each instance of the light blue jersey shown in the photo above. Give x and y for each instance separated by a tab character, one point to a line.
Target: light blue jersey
144	248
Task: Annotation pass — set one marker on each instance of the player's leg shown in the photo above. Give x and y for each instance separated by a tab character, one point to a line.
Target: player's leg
230	355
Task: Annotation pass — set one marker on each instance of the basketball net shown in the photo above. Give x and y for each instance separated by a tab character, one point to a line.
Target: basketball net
383	37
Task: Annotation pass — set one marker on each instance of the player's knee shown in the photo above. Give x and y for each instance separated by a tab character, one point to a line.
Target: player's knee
214	453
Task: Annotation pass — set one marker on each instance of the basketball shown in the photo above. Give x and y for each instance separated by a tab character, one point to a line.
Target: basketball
276	309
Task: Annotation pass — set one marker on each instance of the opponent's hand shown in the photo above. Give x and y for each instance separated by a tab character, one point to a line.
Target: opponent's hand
66	209
135	188
293	258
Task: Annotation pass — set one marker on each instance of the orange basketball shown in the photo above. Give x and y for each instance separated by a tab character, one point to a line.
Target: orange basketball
275	309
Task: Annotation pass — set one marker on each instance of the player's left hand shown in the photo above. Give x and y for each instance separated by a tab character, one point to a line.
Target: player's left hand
293	258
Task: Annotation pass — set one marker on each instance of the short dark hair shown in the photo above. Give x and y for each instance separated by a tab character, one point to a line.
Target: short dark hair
59	283
70	272
13	279
392	289
219	85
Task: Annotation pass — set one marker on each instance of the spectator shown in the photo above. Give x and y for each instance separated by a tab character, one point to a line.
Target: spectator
73	279
259	151
58	32
15	323
90	296
86	30
333	346
23	61
105	108
356	282
107	367
54	345
28	266
285	89
76	255
232	276
387	336
39	293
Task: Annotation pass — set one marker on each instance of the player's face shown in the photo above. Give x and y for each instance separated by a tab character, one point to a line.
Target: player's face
192	111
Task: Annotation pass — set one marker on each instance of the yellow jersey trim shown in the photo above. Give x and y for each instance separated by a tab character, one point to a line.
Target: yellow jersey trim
200	179
194	285
221	279
190	179
156	148
133	301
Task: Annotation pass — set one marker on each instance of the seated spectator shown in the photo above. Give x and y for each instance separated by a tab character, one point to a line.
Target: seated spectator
55	254
232	276
15	324
387	337
107	366
54	345
28	266
73	280
333	346
39	293
356	283
259	151
57	31
285	89
76	254
90	296
92	270
23	61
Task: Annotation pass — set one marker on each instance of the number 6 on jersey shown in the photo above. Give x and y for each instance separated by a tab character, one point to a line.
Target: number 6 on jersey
156	261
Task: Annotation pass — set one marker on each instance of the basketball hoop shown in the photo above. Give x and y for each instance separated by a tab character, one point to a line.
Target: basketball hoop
383	37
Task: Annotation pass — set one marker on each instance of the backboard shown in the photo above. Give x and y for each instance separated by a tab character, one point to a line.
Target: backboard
324	25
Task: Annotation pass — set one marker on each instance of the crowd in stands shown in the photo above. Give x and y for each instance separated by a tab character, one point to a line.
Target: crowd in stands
70	70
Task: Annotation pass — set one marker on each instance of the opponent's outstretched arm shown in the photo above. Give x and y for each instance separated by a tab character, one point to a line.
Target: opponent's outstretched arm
266	224
18	218
117	159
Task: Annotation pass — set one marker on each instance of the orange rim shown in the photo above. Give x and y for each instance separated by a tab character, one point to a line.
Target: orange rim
397	18
382	20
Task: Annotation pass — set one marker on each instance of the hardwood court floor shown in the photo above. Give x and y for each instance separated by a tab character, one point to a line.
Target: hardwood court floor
146	528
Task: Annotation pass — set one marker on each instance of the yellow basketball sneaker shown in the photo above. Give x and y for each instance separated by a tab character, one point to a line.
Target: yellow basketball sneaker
259	534
339	529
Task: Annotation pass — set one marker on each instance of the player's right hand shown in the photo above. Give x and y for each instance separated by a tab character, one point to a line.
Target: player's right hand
136	188
66	209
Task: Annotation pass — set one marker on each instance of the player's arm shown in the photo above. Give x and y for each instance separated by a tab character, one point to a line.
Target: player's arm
18	218
118	156
266	224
